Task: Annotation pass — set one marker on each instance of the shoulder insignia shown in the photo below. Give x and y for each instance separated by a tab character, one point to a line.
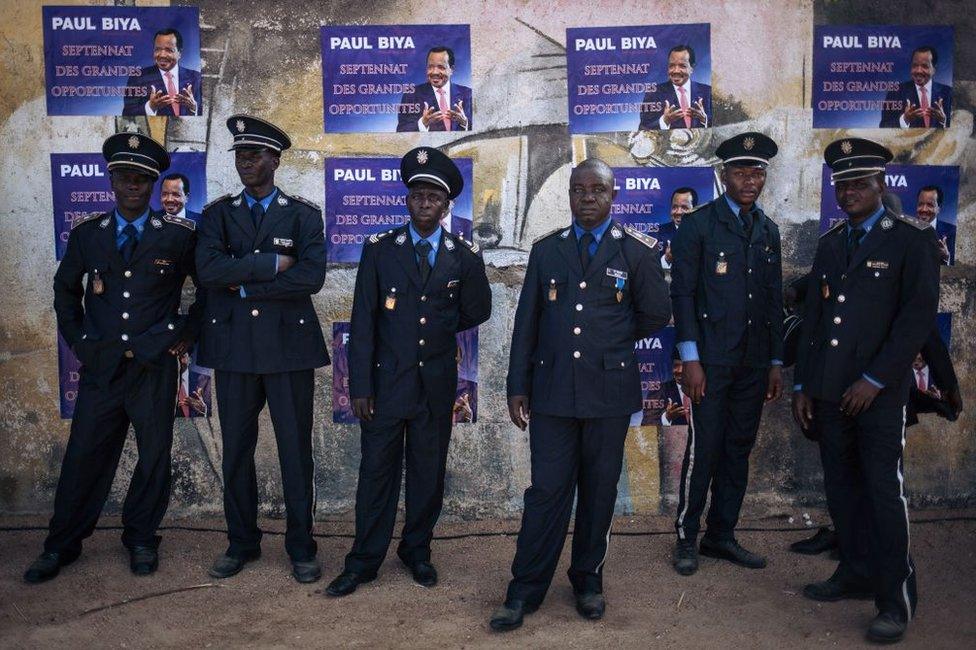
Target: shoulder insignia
301	199
189	224
376	236
470	245
91	217
912	221
616	233
837	226
647	240
216	201
549	234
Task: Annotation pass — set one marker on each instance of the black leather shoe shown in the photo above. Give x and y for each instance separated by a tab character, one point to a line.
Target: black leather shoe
833	589
226	566
47	565
685	559
143	560
424	573
346	583
591	605
824	540
886	628
306	571
510	615
731	551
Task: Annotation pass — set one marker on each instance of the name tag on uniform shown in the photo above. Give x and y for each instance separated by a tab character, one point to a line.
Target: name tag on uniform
283	242
877	264
162	262
453	283
614	273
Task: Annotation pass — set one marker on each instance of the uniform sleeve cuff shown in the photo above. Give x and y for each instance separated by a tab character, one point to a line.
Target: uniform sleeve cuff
776	362
797	388
871	380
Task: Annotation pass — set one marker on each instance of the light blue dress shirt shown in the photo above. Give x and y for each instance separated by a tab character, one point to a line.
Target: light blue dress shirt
597	233
121	223
434	239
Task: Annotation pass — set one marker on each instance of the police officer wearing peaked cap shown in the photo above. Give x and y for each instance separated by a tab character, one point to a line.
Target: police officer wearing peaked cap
871	302
117	298
417	287
727	295
262	258
591	290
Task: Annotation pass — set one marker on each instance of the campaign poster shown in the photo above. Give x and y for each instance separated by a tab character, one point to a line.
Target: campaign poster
80	187
654	199
122	61
193	395
646	77
659	374
466	396
396	78
888	76
364	196
928	192
69	369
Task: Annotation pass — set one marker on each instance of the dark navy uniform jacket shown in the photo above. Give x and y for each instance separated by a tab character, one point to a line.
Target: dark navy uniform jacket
275	327
137	306
573	343
402	344
726	288
870	317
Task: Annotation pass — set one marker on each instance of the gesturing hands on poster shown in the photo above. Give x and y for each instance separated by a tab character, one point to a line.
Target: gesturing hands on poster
671	113
697	111
185	99
457	114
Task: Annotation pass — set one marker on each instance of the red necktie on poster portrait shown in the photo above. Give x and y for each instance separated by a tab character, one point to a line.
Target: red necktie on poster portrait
924	105
171	91
683	100
442	105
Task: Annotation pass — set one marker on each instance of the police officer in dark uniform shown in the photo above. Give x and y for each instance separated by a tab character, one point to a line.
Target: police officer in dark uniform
262	258
871	302
591	290
727	295
117	298
417	287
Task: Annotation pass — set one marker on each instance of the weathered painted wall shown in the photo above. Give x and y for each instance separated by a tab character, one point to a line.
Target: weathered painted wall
264	58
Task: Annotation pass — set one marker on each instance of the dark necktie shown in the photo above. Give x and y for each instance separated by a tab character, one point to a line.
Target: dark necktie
854	242
585	242
747	222
423	249
257	211
129	245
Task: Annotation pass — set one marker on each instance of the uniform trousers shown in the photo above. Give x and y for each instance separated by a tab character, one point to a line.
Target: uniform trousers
425	437
721	433
569	456
139	394
240	398
864	481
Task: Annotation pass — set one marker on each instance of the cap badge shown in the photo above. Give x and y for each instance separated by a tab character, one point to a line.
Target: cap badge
240	126
846	146
422	157
887	223
748	143
282	200
133	142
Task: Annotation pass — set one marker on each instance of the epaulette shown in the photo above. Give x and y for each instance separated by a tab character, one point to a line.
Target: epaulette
548	234
473	247
179	221
311	204
376	236
91	217
837	226
647	240
912	221
216	201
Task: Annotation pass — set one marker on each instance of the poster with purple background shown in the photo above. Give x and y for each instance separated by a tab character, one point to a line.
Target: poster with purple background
365	196
619	78
80	186
657	380
103	60
863	75
907	181
375	78
466	397
68	374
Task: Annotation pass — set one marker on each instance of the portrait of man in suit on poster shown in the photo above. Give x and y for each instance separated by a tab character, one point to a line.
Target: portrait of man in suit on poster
165	88
439	104
678	102
920	102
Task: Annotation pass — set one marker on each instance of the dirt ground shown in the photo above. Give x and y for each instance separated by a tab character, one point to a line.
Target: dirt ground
96	602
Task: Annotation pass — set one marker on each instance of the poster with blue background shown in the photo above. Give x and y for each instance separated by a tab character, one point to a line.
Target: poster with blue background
619	77
864	76
907	181
365	196
103	60
466	396
376	78
657	378
80	186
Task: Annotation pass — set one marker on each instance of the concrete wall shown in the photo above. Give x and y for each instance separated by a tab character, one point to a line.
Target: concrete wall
264	58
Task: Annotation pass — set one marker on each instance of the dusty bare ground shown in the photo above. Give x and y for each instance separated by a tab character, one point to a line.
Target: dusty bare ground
93	602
